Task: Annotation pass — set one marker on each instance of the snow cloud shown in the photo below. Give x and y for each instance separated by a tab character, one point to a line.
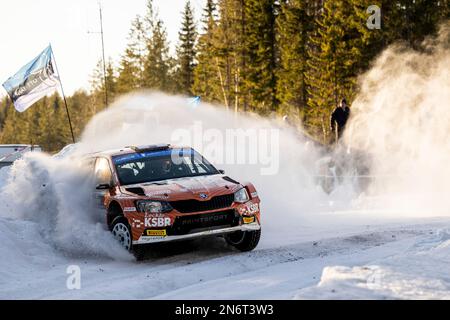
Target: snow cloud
401	119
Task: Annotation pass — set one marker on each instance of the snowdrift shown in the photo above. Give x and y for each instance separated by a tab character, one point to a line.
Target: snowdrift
421	272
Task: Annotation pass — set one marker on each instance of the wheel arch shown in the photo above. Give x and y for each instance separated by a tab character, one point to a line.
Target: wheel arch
114	211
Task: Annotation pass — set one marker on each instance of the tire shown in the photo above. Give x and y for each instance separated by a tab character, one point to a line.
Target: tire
138	252
121	230
244	240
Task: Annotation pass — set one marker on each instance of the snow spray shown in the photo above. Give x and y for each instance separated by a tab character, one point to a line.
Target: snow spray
401	118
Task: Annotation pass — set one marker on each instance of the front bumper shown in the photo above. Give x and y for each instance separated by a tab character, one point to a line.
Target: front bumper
244	227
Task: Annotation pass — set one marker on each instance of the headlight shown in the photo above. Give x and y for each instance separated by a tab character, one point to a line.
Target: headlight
153	206
241	196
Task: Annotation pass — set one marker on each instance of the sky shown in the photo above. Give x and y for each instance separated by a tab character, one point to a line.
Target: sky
28	26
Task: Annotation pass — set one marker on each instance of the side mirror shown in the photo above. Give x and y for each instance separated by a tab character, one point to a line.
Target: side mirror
222	171
103	186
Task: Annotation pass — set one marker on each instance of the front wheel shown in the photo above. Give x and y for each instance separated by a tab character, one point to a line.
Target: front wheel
122	232
244	240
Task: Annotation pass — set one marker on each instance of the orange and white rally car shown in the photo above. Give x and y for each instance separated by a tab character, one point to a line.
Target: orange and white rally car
162	193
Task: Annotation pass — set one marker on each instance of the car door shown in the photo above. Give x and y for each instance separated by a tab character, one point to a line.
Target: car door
102	181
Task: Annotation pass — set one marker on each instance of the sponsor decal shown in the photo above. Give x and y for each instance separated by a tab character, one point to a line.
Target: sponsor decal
254	194
160	194
253	208
136	223
242	210
249	208
207	218
248	219
129	209
157	221
156	233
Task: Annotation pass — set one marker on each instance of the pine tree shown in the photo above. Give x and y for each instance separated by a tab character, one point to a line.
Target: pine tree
19	127
45	135
340	46
4	105
296	24
79	111
186	51
261	45
205	72
158	63
98	81
225	39
412	20
131	66
230	54
8	126
60	135
111	81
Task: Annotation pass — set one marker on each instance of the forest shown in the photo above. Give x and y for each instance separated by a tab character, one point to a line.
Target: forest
270	57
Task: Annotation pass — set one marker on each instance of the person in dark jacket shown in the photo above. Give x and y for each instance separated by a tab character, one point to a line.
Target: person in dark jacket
339	119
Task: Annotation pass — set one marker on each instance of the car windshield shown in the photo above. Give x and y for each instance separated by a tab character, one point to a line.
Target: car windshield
150	166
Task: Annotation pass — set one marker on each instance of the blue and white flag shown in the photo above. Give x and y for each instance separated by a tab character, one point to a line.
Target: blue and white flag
33	81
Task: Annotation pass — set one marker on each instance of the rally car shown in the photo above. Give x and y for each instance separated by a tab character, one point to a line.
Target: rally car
12	152
161	193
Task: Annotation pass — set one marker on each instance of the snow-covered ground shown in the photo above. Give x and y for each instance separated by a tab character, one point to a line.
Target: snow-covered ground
375	262
356	258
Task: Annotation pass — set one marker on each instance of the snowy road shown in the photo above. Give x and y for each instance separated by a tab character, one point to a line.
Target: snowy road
409	261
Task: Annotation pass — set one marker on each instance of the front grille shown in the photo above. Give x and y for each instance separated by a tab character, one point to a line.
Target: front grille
189	206
206	221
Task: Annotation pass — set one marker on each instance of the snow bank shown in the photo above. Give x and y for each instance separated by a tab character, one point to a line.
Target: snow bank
419	273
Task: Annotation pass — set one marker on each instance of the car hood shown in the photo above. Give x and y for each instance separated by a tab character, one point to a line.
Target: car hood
187	188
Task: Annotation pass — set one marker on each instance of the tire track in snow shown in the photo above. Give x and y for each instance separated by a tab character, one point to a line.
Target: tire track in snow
159	276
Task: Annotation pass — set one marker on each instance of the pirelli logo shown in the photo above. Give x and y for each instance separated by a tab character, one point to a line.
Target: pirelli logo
156	233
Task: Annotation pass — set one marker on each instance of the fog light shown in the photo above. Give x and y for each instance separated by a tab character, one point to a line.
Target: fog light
248	219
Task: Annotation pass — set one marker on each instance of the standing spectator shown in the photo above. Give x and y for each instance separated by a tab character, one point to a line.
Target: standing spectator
339	119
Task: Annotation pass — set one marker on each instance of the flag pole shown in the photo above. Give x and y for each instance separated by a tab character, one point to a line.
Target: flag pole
64	97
